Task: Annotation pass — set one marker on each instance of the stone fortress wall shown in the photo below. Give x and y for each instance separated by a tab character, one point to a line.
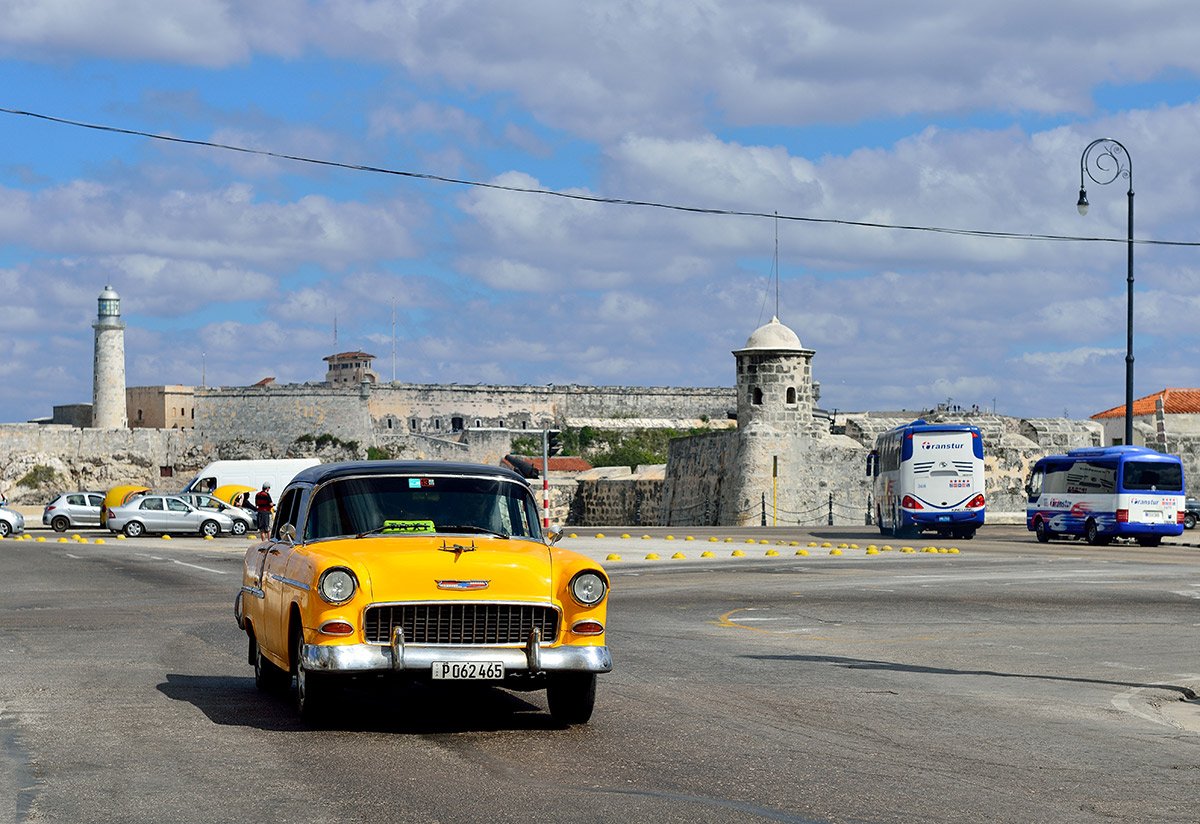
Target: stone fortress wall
784	463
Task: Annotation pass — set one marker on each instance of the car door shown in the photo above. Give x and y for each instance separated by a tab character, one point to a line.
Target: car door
180	517
150	512
76	509
91	515
278	591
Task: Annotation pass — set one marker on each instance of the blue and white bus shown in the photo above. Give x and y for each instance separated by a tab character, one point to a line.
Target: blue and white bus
928	476
1103	493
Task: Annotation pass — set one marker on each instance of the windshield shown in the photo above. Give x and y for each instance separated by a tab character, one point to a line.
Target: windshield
415	505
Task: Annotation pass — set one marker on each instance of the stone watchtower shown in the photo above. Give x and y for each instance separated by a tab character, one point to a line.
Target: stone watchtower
108	364
774	380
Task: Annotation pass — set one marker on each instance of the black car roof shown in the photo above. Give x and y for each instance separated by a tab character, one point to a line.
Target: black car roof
325	472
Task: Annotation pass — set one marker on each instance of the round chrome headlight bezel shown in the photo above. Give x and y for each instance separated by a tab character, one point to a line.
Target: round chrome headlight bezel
588	588
337	585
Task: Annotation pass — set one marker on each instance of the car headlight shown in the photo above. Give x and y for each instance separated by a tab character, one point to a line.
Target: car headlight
588	588
337	585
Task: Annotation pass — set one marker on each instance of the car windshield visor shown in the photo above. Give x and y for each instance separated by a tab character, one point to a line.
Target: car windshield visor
399	506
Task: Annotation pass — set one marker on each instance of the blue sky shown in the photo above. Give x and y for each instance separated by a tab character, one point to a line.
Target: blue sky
233	266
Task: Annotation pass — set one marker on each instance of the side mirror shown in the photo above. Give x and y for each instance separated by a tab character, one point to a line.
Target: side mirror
554	533
1028	490
287	532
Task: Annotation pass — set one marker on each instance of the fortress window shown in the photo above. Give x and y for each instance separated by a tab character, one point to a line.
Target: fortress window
389	420
756	396
456	424
791	394
412	424
139	414
478	423
437	424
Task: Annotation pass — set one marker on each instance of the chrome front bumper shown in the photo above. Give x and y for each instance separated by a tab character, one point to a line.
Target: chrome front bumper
531	659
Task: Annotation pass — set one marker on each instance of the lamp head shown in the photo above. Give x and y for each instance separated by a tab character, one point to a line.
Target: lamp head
1082	205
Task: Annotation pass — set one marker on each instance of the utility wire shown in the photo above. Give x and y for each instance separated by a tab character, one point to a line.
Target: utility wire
595	198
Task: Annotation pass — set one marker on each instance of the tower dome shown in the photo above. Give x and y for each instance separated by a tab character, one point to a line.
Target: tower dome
773	336
774	380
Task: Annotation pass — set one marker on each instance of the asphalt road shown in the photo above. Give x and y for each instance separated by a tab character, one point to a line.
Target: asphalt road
1008	682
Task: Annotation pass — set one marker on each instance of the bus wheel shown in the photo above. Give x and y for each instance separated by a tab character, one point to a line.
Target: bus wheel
1043	534
1150	540
1092	534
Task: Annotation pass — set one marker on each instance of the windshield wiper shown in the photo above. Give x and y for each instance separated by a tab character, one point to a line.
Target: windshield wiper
471	528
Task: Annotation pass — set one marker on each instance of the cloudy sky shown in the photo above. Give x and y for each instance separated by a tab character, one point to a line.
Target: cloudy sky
235	266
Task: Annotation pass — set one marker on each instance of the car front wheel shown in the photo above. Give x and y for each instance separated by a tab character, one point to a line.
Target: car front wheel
133	529
571	697
5	529
210	528
313	689
61	523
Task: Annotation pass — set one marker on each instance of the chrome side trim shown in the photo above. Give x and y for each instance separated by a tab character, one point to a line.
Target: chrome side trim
291	582
354	658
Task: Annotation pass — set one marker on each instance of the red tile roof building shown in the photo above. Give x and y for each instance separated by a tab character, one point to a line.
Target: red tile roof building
1181	415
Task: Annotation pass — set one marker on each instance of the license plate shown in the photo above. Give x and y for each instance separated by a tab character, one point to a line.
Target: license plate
468	670
1153	516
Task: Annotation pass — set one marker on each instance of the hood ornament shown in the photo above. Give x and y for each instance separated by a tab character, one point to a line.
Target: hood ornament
463	586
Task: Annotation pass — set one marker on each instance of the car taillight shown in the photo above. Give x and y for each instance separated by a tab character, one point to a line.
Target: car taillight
975	502
909	502
1122	516
50	508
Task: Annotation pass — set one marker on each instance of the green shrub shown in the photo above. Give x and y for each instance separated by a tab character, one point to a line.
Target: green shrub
38	477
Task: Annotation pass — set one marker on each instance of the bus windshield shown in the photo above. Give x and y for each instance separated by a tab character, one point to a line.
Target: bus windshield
1154	476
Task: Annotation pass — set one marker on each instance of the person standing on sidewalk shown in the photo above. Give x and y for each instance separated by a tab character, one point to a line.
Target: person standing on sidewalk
262	507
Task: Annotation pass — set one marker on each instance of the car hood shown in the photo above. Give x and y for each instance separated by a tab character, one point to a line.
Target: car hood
445	568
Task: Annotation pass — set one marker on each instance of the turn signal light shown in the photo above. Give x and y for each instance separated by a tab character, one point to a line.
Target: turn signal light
975	502
588	628
909	502
336	628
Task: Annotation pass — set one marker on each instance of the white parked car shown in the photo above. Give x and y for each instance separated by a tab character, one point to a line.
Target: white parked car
11	523
166	513
243	521
73	509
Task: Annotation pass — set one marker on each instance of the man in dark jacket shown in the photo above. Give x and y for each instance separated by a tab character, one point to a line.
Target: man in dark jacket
262	507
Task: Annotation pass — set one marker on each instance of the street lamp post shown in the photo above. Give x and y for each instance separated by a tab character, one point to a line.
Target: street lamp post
1110	160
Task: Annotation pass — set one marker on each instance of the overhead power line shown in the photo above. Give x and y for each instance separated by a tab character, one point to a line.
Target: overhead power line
865	224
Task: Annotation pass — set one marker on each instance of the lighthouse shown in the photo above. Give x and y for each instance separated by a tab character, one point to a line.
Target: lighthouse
108	366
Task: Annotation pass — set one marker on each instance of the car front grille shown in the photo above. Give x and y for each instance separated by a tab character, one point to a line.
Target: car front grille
464	624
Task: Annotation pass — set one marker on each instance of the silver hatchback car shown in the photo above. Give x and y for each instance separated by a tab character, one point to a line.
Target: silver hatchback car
73	509
166	513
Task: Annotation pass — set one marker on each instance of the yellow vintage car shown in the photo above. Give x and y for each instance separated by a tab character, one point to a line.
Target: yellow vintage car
420	570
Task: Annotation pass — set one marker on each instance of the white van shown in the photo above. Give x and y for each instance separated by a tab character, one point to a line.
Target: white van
253	473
